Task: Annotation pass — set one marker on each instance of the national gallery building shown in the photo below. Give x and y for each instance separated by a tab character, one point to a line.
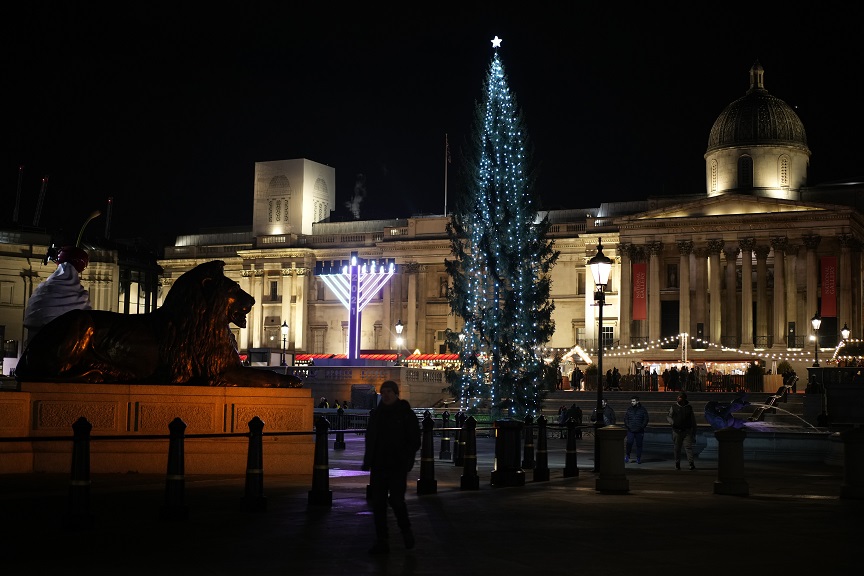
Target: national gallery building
741	267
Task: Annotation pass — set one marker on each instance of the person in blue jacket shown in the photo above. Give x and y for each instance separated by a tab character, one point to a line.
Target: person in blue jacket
635	421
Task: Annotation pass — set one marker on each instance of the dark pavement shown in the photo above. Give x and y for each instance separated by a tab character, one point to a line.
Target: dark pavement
793	522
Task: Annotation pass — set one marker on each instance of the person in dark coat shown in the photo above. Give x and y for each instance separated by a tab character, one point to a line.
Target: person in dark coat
392	441
635	421
683	423
608	414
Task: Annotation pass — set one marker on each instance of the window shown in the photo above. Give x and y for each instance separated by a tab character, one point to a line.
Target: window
274	290
671	276
784	171
580	282
608	336
714	176
745	172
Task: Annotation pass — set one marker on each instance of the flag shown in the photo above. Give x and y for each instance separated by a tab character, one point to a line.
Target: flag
447	146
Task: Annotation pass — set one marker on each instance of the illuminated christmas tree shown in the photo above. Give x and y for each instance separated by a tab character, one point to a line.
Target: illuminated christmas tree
501	262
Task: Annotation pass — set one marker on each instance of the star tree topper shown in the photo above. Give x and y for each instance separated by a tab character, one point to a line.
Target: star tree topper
496	42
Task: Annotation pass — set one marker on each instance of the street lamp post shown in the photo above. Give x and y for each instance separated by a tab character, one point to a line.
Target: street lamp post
399	328
816	321
600	266
284	329
845	332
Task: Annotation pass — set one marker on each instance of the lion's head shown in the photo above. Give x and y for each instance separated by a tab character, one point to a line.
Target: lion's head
201	305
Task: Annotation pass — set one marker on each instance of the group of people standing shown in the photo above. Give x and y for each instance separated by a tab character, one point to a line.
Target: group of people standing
680	417
323	403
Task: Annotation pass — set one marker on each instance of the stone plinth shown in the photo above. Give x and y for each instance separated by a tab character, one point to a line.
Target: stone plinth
611	478
134	412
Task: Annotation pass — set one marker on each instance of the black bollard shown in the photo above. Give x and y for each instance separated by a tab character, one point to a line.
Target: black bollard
507	470
254	497
175	479
459	444
339	444
570	464
320	494
427	484
528	452
541	469
78	510
470	479
444	453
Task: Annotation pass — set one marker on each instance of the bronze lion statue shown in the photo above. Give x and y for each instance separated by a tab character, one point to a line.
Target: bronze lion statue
185	341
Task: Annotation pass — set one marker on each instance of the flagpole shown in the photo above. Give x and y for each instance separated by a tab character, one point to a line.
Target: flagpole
446	166
446	162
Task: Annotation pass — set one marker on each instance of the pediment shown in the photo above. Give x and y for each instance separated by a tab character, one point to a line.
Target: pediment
728	205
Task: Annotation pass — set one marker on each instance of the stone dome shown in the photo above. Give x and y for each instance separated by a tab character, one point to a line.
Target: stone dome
757	118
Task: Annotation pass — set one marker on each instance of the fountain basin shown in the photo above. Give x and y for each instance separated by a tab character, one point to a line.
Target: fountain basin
765	442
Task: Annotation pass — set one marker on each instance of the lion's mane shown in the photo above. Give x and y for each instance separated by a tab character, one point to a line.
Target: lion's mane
201	304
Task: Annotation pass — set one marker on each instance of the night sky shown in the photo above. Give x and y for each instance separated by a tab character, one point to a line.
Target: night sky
167	111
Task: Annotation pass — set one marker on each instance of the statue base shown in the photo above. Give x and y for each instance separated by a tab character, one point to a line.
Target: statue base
134	415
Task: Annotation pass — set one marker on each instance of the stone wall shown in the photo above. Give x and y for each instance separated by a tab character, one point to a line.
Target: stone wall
128	413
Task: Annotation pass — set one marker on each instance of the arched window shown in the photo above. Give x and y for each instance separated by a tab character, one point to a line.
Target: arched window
714	176
745	172
784	171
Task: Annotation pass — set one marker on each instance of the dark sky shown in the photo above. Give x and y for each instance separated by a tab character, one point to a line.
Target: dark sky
167	111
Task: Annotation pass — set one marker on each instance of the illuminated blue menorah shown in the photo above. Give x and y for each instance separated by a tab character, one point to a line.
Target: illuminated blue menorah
355	282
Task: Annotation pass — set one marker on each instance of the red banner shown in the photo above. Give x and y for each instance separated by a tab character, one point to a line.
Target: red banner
640	292
829	286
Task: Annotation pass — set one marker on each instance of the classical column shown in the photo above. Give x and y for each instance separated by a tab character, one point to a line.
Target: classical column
685	248
715	245
779	244
654	249
387	312
257	324
637	254
730	312
855	257
420	339
626	299
700	290
244	342
285	308
792	292
300	327
762	290
411	269
747	245
844	306
811	242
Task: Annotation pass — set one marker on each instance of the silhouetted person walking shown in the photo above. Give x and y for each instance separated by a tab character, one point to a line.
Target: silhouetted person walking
392	441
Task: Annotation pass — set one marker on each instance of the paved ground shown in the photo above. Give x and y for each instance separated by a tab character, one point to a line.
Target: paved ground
671	522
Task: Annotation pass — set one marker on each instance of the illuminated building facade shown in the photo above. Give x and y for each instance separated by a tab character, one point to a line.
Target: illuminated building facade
744	264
